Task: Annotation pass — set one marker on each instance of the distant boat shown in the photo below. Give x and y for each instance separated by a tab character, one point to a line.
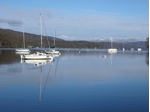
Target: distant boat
79	50
23	49
53	51
37	55
104	56
56	55
132	49
112	50
22	52
123	49
139	49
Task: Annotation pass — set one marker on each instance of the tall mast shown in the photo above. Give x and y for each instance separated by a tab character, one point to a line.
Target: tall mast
54	37
111	42
23	40
41	27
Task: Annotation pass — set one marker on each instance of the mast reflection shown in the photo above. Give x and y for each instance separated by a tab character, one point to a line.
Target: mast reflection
39	64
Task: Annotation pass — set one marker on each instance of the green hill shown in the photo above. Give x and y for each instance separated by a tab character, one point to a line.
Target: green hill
13	39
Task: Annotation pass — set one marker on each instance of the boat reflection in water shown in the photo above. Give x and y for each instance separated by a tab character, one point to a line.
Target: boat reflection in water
40	64
37	63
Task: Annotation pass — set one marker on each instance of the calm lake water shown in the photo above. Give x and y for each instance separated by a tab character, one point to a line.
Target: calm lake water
75	82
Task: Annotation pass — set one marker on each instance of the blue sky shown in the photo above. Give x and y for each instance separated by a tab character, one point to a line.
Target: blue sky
79	19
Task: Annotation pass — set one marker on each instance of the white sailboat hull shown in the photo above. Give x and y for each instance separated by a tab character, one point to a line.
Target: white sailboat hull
37	56
22	50
22	53
112	50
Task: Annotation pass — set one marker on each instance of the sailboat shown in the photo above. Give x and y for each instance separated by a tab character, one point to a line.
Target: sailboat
53	51
112	50
123	49
37	55
139	48
23	50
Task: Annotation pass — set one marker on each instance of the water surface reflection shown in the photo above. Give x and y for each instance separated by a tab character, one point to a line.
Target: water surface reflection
76	81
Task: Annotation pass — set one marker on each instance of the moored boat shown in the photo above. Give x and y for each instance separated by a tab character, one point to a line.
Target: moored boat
22	49
112	50
38	55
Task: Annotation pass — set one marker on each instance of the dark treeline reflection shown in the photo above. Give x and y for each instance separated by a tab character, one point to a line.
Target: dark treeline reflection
8	57
147	58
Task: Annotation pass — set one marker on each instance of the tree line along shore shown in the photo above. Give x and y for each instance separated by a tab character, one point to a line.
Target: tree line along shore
14	39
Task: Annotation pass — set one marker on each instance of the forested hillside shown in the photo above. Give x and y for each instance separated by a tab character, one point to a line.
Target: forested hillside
14	39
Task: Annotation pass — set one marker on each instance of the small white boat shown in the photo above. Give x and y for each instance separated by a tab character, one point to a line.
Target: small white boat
112	50
123	49
139	49
104	56
56	55
22	49
22	53
36	56
52	51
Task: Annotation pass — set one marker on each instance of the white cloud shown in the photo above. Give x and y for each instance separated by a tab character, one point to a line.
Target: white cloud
86	24
11	22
